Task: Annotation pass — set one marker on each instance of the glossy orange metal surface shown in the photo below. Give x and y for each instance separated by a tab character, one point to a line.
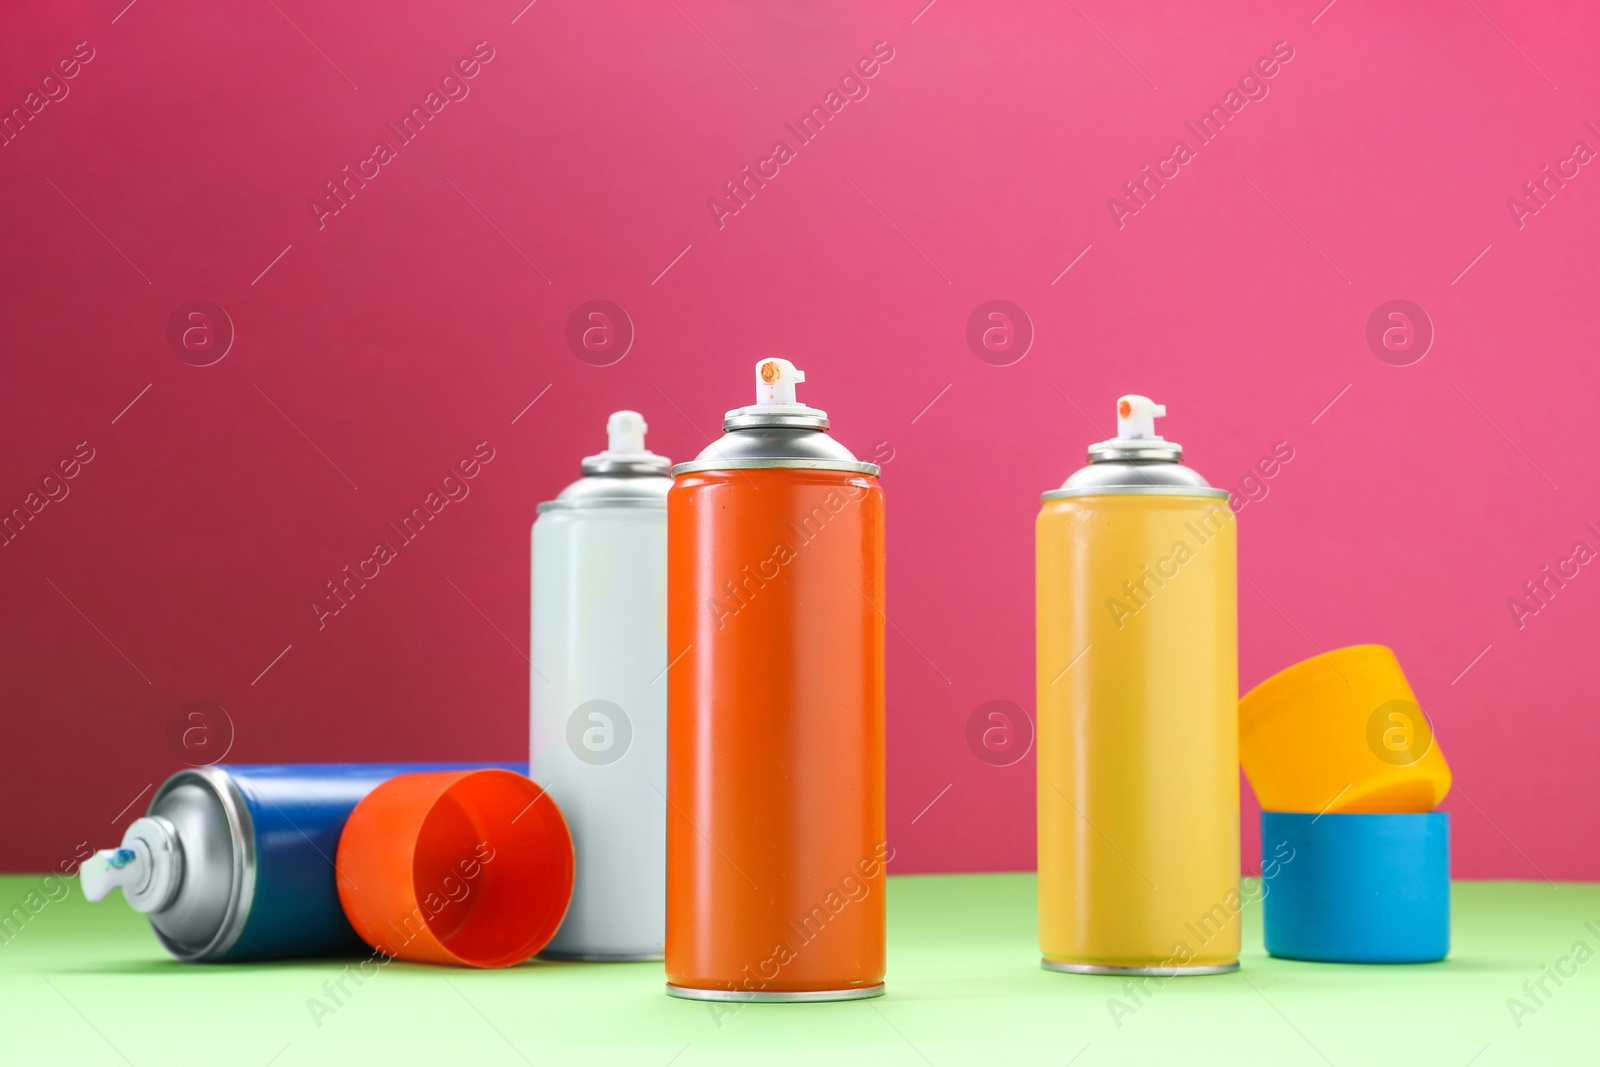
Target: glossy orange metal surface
775	709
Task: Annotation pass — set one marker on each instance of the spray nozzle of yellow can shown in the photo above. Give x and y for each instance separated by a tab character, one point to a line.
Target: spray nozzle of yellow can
1136	442
1136	417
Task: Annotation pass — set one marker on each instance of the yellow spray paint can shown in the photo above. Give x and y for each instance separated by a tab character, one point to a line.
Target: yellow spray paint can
1138	690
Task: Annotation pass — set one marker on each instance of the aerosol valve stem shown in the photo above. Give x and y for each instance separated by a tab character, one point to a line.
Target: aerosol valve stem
1136	417
775	382
111	868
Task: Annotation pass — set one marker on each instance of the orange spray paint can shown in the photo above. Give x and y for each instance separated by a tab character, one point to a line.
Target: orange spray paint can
775	711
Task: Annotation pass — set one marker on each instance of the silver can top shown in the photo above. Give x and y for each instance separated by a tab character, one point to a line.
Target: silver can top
626	474
189	864
1136	462
217	843
776	431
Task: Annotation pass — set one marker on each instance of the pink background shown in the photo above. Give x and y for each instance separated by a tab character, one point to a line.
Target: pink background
374	352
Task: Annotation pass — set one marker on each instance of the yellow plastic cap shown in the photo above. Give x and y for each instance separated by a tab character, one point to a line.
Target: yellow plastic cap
1341	733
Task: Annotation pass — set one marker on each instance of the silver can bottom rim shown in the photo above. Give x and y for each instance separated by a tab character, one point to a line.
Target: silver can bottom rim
558	956
768	996
1157	971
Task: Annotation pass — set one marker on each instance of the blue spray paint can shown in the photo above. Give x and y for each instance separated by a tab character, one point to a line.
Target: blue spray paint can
235	863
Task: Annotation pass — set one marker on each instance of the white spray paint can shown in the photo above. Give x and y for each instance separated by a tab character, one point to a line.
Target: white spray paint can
599	692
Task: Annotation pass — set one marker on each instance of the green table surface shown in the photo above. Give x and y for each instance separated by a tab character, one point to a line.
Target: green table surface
87	984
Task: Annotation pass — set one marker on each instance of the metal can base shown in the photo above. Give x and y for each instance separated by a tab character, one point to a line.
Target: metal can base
765	996
1157	971
600	957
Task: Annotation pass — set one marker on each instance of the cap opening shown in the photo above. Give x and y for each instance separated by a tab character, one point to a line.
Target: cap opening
493	869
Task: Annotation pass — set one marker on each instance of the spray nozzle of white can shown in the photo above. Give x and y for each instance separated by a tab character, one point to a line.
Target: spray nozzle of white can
625	452
1136	417
625	433
148	867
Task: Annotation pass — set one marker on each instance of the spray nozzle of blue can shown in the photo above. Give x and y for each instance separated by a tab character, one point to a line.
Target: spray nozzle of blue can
147	867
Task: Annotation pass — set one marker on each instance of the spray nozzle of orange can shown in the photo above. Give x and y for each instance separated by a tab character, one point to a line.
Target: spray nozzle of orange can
1136	416
775	382
776	404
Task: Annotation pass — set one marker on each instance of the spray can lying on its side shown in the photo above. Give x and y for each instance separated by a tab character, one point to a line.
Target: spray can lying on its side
775	826
599	696
235	862
1138	690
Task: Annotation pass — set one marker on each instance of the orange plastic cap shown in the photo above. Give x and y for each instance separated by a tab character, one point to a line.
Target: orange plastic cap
470	868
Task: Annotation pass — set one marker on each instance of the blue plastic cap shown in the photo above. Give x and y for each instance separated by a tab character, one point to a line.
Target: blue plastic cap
1356	888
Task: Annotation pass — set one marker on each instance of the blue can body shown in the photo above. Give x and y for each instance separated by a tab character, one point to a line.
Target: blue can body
1358	888
297	812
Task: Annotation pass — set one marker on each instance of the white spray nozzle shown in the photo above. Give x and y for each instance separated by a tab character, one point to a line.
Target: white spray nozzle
625	431
148	867
1136	416
775	382
113	867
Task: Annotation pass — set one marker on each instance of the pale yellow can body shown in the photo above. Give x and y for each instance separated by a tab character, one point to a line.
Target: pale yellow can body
1138	751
